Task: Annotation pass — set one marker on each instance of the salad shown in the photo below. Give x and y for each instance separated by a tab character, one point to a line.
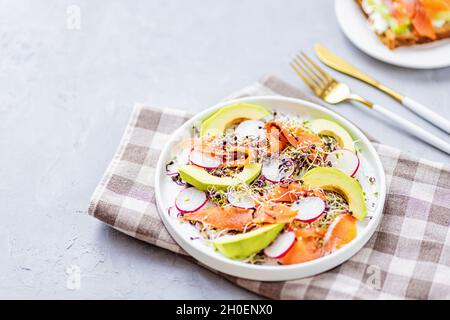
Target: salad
268	188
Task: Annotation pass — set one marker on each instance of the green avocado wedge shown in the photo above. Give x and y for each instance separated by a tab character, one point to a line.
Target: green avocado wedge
324	127
229	115
201	179
332	179
245	244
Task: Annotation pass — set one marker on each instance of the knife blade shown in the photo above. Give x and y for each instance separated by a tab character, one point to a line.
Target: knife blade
339	64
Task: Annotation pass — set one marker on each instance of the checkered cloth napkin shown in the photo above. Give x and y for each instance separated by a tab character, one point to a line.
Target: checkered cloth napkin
407	257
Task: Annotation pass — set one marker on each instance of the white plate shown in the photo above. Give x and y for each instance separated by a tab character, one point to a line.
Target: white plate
166	192
354	25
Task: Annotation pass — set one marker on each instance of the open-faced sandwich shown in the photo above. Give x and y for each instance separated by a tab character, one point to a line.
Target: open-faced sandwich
264	187
408	22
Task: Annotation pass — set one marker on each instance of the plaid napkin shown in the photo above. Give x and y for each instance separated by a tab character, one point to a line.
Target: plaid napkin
407	257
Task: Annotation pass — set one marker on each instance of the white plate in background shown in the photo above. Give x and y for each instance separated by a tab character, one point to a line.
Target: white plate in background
423	56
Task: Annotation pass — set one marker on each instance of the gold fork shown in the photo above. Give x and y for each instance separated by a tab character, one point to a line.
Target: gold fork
333	92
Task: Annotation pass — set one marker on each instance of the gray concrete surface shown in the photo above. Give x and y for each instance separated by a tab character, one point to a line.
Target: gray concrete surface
65	97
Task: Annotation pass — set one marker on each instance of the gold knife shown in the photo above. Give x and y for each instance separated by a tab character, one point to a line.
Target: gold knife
339	64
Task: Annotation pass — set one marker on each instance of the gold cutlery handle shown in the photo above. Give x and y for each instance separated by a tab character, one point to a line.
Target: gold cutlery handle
394	94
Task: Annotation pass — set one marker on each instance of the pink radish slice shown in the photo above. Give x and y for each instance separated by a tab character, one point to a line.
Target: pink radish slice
241	200
309	209
181	159
281	245
271	171
345	160
190	200
204	161
250	128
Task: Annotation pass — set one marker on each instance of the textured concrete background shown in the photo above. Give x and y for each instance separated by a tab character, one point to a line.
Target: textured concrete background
66	95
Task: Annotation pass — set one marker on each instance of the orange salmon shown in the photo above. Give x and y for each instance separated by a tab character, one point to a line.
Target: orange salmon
277	142
268	213
341	231
222	218
291	192
306	247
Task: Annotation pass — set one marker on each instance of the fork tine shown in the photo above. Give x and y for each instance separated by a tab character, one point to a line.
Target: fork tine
319	69
323	80
304	78
307	74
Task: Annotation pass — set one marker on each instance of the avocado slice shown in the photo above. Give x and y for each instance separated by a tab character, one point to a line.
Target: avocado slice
202	179
332	179
245	244
329	128
226	116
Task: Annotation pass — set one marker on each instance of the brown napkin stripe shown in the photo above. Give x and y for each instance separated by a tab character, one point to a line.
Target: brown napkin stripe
407	257
128	183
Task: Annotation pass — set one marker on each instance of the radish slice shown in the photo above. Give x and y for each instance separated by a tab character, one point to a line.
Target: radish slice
271	170
204	161
181	159
190	200
282	244
345	160
250	128
241	200
309	209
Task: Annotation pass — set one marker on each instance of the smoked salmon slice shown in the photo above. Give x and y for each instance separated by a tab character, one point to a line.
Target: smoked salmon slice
268	213
234	156
402	10
279	136
222	218
433	7
420	12
305	249
341	231
291	192
300	138
302	251
421	21
277	142
286	192
307	232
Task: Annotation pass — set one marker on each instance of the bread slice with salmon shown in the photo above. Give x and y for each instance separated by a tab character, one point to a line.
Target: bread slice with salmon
400	23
